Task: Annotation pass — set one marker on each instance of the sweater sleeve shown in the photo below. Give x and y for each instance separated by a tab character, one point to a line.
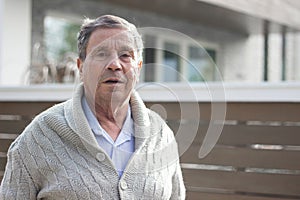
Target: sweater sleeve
178	188
17	182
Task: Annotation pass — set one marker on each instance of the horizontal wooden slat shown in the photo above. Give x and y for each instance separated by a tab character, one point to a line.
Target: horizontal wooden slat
1	175
13	126
8	136
244	182
184	110
5	143
242	111
242	135
24	108
192	195
263	111
244	157
3	161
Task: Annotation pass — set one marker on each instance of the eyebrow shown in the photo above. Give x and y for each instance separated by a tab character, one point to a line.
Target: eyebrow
122	47
100	48
127	48
97	49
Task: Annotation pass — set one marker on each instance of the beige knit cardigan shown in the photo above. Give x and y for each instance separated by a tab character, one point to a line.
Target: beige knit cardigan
57	157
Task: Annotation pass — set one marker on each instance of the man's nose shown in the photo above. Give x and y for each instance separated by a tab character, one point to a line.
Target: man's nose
114	64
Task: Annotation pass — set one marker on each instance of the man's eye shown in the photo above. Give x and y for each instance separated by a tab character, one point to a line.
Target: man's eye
126	56
101	55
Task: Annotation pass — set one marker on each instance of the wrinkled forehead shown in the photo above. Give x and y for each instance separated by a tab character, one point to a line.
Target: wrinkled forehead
118	43
113	39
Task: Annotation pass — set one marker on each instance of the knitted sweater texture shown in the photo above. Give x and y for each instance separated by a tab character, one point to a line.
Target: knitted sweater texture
57	157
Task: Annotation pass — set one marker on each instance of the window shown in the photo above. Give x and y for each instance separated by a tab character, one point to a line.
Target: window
171	62
60	37
168	59
200	66
54	60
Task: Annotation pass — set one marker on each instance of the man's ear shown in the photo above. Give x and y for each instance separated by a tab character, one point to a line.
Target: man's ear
79	66
138	71
140	65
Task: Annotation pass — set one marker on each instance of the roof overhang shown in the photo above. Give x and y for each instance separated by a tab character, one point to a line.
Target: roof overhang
239	16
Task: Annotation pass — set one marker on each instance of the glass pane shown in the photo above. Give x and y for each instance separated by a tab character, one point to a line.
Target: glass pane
201	64
54	61
60	37
171	62
149	68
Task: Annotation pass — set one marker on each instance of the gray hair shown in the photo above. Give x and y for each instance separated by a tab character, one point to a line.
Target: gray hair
106	21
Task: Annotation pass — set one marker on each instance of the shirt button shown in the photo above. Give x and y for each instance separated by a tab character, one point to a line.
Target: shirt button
123	185
100	156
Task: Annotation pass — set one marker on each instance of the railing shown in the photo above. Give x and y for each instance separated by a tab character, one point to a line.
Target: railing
257	155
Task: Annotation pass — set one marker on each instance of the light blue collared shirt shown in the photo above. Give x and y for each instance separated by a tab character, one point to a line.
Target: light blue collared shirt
120	150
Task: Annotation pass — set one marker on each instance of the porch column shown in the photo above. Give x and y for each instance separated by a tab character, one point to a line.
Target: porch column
15	45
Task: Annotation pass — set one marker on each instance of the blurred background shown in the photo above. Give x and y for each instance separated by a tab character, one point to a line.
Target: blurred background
230	40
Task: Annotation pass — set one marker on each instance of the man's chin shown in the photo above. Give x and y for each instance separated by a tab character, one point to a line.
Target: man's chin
116	94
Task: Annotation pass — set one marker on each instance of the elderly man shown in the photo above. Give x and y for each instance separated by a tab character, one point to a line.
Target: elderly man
103	143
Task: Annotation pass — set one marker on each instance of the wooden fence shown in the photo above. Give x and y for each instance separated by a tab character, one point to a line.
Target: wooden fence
257	156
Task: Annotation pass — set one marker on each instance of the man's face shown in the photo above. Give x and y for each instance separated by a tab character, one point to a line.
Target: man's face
111	68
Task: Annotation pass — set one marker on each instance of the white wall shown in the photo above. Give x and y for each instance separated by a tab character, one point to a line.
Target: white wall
275	57
254	62
297	57
281	11
243	59
1	30
15	45
293	58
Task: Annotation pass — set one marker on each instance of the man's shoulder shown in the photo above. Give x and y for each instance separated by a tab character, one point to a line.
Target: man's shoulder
155	117
159	121
41	126
57	111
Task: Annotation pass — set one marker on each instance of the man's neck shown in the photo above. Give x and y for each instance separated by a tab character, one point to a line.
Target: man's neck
111	118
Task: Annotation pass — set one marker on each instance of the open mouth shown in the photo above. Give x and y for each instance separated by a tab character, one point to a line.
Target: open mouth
113	81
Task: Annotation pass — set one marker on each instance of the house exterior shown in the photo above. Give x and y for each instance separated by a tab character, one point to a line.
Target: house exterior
186	41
